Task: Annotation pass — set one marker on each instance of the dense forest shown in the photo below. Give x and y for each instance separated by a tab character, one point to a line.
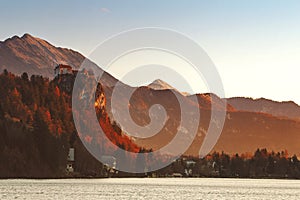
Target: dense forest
37	130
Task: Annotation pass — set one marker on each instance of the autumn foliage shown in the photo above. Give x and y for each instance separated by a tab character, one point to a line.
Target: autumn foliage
37	128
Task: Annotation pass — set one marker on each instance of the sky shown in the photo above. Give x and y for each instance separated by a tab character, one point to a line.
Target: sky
254	44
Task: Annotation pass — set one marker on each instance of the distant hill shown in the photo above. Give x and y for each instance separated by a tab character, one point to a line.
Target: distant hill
285	109
243	131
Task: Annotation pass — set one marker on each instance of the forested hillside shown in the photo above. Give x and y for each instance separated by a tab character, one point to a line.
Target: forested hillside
37	128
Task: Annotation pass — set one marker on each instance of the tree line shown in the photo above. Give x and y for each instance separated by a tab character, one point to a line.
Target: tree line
262	164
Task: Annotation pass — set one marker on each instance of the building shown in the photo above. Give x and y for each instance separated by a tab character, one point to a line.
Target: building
71	160
109	161
109	165
62	69
176	175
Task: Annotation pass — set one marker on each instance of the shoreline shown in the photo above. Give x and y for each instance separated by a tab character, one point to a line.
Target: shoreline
97	178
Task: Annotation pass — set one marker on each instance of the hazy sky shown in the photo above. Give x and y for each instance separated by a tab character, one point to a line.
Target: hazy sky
255	44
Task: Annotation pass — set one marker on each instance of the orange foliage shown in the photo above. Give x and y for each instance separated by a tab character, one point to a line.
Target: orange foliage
121	141
57	91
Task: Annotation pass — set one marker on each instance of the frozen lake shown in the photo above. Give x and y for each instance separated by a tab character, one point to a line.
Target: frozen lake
150	188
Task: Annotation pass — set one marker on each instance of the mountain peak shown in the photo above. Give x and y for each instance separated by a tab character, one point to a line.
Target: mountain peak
159	84
16	37
27	35
25	38
34	56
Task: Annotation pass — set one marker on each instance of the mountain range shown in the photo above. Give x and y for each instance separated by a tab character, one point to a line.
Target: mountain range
285	109
249	124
